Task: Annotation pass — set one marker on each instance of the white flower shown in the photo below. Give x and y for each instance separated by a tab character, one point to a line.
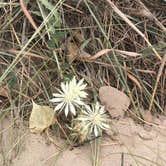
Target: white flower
70	96
93	120
78	88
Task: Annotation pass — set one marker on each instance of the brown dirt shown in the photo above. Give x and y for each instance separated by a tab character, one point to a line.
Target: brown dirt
137	144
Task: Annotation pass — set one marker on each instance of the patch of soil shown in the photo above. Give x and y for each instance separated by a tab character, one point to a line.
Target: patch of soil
128	144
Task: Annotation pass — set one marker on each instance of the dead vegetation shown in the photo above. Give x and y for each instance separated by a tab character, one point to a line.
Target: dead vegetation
116	43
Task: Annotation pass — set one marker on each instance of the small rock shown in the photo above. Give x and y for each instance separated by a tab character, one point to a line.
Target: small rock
115	101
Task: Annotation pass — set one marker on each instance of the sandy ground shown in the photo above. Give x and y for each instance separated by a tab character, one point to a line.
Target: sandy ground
132	145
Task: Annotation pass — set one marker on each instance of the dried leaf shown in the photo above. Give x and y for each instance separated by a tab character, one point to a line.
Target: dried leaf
115	101
3	92
72	49
79	37
41	118
84	55
74	52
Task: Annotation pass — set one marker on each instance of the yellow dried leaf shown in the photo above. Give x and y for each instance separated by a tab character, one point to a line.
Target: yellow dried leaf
41	118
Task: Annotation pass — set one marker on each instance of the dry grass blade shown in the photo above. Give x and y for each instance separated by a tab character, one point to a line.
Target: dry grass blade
100	53
30	19
121	52
157	81
30	54
127	53
123	16
70	7
133	79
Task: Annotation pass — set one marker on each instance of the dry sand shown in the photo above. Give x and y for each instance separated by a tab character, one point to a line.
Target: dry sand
133	145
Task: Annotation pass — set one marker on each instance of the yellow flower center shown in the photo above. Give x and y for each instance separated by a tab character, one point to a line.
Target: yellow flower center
69	96
96	119
76	90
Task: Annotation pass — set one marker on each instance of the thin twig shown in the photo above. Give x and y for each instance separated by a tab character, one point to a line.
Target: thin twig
157	81
30	19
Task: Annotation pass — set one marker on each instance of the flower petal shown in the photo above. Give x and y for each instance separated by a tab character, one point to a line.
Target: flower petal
57	95
72	109
82	87
96	131
64	87
105	126
80	82
82	94
79	102
73	82
97	106
66	110
88	109
59	106
56	100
